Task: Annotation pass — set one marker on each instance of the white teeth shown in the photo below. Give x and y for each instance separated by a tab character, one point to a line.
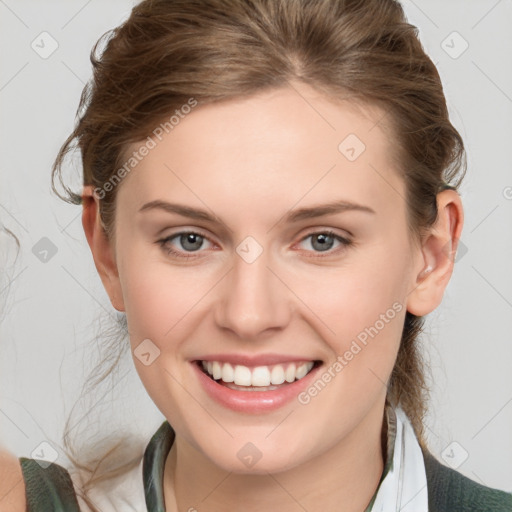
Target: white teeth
217	370
301	371
242	376
277	375
290	373
228	373
260	376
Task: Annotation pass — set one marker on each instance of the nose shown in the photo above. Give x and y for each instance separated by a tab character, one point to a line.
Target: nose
252	299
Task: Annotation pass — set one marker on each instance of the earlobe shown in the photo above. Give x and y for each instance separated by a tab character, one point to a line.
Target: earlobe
437	255
101	248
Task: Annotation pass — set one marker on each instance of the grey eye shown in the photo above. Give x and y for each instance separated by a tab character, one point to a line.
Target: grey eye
191	241
322	241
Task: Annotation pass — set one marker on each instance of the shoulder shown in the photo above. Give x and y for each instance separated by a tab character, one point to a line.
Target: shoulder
450	491
122	492
12	486
48	486
51	487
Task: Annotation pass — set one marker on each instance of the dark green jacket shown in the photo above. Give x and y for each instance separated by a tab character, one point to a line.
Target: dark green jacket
50	489
449	491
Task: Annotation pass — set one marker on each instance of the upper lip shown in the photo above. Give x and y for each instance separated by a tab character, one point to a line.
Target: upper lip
254	360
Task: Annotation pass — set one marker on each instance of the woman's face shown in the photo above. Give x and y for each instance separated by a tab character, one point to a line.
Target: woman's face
282	266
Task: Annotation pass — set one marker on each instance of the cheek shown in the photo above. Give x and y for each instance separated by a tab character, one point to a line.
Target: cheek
355	296
157	296
360	311
160	302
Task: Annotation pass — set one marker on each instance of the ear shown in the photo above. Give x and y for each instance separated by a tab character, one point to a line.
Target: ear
438	249
101	247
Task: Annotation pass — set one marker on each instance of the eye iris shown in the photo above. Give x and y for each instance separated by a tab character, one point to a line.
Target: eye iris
324	240
191	241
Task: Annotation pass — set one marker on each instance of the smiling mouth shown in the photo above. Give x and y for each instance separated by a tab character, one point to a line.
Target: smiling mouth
262	378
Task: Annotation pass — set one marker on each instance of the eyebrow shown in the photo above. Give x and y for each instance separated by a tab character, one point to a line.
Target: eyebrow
291	216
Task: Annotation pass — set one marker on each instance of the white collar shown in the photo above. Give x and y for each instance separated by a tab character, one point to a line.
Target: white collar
404	488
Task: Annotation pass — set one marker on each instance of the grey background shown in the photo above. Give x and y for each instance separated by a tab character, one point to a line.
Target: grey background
53	309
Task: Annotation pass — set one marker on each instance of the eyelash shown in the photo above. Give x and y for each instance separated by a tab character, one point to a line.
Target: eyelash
164	244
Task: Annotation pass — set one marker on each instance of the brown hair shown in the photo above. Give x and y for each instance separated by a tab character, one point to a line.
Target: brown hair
169	51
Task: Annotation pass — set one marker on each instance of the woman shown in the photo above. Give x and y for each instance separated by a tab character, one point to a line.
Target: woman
270	196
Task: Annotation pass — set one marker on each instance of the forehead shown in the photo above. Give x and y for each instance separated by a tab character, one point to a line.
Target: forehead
281	145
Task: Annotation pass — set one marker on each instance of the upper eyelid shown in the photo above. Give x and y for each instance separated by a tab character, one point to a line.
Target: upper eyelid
344	240
186	232
329	231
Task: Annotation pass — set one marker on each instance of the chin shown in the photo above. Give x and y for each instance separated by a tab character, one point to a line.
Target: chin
261	467
249	460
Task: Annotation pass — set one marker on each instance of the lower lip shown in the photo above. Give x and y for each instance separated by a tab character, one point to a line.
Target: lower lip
253	401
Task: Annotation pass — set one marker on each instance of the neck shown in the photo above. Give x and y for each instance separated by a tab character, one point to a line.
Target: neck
342	479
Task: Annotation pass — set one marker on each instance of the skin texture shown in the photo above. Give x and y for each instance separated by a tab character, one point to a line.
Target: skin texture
249	162
12	486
